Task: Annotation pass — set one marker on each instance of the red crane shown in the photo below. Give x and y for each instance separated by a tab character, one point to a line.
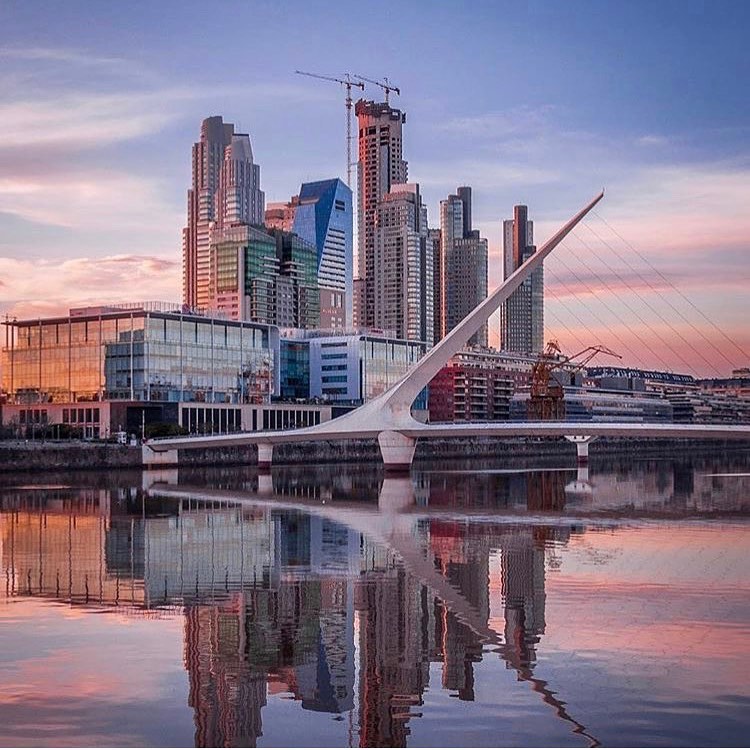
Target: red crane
547	398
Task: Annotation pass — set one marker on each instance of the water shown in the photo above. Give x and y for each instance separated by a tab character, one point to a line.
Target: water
476	603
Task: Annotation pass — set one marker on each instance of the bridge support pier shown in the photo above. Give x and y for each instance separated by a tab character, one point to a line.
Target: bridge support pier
396	494
152	458
582	446
265	456
397	451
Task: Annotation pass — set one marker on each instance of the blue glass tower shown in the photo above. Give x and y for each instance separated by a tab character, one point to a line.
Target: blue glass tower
324	217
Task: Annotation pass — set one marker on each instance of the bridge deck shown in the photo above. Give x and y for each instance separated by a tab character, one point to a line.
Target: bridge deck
466	430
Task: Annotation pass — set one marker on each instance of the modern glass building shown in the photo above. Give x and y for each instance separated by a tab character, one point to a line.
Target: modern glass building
403	280
380	167
353	368
226	190
264	277
323	216
149	353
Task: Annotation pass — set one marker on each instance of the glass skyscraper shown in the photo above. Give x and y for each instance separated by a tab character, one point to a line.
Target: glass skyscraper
324	218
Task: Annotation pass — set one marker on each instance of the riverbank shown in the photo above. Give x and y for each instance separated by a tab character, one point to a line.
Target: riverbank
20	456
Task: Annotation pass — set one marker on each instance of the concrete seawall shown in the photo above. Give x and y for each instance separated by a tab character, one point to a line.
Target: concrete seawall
17	456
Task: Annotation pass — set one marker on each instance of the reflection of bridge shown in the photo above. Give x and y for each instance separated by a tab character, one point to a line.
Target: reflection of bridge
391	529
275	605
388	417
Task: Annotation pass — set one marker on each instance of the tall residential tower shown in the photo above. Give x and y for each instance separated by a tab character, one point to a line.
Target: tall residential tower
522	316
462	280
380	167
225	190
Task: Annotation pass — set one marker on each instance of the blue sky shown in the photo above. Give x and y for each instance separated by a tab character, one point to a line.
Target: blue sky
536	102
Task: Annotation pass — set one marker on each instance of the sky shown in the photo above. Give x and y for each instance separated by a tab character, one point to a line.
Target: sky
542	103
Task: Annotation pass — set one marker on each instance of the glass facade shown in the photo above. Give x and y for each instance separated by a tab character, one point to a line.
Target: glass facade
353	369
324	218
261	272
295	369
384	362
139	355
298	265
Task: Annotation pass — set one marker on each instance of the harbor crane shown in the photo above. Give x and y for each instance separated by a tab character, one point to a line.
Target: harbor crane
347	83
385	84
546	399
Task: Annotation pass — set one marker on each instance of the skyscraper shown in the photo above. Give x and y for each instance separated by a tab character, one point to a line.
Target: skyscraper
434	240
402	280
522	316
225	189
380	167
208	155
322	215
239	198
462	283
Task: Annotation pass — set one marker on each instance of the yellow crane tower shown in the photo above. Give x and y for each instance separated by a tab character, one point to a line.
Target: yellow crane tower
347	83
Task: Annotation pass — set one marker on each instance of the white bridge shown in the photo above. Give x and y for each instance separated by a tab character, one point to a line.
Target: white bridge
388	417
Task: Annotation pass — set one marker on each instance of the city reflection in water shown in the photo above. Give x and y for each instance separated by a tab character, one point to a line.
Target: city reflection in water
337	587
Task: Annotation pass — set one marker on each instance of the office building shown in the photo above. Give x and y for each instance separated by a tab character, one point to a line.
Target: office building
225	190
380	166
462	282
348	368
322	215
522	316
144	367
264	277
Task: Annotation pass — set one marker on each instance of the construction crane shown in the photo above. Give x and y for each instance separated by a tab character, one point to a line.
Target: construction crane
347	83
546	400
385	84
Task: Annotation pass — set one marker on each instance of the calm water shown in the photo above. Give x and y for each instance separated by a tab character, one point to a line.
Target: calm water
476	603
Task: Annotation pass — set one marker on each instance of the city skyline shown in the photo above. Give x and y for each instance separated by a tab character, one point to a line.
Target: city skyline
93	169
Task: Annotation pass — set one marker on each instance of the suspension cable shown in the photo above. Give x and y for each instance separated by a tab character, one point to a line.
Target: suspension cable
654	288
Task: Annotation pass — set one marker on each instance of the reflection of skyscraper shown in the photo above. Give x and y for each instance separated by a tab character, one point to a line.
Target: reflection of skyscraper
393	647
522	316
226	691
522	561
464	561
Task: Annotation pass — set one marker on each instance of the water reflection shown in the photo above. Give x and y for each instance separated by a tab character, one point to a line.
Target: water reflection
338	588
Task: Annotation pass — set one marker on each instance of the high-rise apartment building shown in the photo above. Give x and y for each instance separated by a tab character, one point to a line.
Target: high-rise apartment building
434	240
322	215
239	198
402	280
522	316
225	190
462	282
380	167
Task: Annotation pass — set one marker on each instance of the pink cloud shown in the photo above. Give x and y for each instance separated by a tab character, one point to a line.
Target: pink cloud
51	286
